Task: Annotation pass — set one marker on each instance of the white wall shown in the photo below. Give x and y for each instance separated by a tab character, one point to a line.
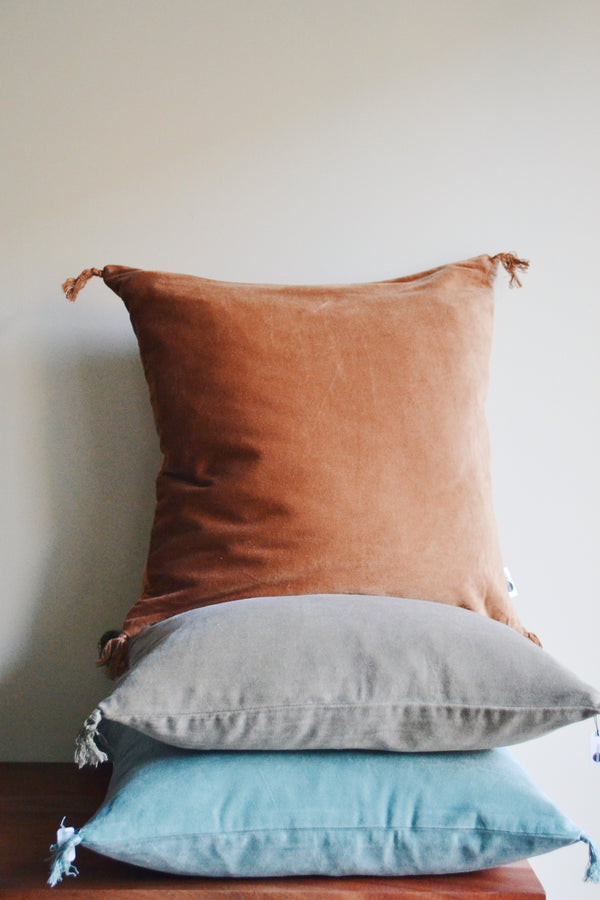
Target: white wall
288	140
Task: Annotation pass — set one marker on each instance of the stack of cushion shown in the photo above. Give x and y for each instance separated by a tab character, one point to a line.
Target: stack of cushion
324	660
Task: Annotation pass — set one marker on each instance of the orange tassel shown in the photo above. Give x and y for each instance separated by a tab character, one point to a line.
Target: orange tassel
512	263
72	286
114	655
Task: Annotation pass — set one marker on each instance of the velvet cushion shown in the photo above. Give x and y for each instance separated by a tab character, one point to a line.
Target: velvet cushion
323	438
321	812
339	671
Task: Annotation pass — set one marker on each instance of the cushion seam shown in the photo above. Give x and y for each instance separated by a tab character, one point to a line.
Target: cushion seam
411	705
348	828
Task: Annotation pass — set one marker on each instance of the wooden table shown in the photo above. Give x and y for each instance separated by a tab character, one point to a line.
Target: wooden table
35	796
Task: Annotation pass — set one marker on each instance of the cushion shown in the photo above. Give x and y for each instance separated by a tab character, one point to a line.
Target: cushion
339	671
229	814
325	438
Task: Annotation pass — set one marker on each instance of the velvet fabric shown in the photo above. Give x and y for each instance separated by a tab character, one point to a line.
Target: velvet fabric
321	812
323	438
341	671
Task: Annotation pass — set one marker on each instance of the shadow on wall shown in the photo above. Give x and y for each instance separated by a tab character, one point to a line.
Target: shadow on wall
101	454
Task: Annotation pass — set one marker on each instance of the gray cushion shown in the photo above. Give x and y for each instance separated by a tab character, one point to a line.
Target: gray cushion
341	671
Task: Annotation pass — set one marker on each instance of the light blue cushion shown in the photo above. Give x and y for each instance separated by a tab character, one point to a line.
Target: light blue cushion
318	812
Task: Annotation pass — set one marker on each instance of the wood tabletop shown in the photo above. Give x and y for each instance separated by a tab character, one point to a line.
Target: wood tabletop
35	796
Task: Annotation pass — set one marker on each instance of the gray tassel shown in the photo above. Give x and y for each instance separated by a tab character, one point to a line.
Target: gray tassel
87	752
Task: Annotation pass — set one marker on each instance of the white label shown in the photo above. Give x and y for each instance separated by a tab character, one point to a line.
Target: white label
63	834
512	590
595	748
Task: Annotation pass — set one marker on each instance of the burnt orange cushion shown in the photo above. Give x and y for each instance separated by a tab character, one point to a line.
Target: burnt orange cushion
319	439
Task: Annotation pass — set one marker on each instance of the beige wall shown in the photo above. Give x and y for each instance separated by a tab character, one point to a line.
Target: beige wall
288	140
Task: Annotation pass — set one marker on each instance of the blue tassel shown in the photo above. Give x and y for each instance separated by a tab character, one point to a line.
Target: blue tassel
593	870
63	854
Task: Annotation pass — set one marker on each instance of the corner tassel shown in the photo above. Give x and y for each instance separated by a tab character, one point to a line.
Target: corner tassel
114	655
592	872
72	286
87	752
63	854
512	263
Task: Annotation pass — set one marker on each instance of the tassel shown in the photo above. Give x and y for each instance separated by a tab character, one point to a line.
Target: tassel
593	870
533	637
114	655
63	854
511	263
72	286
87	752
